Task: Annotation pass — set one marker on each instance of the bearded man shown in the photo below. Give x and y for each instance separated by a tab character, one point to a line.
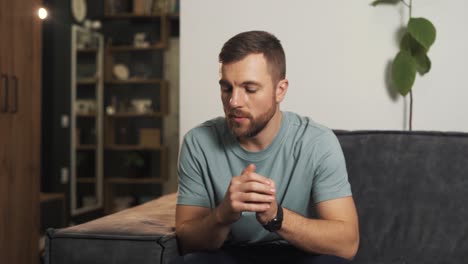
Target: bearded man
249	180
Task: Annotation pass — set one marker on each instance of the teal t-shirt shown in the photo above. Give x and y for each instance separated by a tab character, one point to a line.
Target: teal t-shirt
304	160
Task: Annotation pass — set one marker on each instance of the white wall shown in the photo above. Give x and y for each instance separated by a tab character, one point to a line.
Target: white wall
338	54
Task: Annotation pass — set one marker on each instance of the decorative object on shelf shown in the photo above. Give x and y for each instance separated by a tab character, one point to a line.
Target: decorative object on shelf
122	202
77	137
92	25
119	6
139	40
150	137
121	72
112	108
142	106
85	40
123	136
139	7
135	163
85	106
142	70
419	36
78	8
89	200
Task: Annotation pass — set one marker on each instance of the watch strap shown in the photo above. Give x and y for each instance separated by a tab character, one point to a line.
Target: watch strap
275	223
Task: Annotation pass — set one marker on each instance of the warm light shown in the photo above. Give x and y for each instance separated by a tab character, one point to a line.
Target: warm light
42	13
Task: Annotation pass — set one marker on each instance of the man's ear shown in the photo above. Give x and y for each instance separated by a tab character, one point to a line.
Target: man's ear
281	89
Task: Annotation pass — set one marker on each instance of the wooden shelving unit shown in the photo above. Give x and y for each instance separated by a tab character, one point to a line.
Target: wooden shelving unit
144	82
134	115
132	148
134	180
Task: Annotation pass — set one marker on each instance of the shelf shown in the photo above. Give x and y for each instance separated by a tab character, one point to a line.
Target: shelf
85	180
86	115
134	114
87	50
45	197
115	180
137	81
87	81
174	15
132	147
157	46
86	147
132	16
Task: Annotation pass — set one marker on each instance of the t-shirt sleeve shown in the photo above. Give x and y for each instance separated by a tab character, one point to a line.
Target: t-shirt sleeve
330	175
191	190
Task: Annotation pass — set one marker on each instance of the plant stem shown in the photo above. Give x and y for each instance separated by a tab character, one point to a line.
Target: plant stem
410	8
411	112
411	91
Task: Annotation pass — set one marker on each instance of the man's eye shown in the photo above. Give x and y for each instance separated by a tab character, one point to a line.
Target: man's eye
225	88
250	90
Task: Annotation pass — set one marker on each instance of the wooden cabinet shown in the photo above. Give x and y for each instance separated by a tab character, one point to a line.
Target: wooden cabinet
20	62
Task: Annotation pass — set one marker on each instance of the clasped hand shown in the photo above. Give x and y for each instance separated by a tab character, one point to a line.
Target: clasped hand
248	192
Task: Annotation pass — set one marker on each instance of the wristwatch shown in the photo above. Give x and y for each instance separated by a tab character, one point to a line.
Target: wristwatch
275	223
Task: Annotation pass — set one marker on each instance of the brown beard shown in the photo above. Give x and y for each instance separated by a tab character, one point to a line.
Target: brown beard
257	124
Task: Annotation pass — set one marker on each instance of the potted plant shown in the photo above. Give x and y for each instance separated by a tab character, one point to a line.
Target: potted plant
412	58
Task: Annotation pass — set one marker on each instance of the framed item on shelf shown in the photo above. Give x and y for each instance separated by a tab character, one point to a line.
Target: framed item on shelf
150	137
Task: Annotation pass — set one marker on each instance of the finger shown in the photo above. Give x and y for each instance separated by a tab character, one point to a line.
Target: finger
252	176
254	207
253	197
254	187
250	168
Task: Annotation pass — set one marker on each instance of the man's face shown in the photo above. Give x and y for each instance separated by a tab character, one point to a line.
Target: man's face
248	95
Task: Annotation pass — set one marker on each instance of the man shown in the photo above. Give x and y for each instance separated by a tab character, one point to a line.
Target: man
246	179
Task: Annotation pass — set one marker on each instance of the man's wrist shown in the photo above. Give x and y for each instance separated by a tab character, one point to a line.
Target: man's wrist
275	223
220	220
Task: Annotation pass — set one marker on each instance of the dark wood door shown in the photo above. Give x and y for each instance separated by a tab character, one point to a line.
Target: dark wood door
5	122
20	128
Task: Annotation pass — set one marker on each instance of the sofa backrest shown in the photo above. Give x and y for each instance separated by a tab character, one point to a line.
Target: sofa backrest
411	191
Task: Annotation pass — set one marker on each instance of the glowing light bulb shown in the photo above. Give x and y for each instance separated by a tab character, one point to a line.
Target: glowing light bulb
42	13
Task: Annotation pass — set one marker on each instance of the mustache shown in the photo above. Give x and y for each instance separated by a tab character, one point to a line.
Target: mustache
238	113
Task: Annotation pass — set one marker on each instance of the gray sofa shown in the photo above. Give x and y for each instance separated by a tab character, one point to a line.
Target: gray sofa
410	188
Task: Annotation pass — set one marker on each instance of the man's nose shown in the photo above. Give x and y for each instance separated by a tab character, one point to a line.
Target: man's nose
237	98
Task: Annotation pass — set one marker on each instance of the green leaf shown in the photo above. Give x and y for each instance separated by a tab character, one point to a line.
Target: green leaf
418	52
378	2
423	63
423	31
409	44
403	72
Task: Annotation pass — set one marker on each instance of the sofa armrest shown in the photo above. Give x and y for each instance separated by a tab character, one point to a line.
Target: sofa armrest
142	234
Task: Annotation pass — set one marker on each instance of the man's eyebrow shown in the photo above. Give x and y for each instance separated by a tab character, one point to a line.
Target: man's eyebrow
251	83
224	83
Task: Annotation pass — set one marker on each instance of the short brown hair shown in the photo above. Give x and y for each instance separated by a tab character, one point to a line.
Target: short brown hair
255	42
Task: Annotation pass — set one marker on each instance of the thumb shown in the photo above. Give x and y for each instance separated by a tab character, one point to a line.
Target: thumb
250	168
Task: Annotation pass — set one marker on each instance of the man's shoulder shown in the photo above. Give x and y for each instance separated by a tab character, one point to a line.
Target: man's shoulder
307	128
207	130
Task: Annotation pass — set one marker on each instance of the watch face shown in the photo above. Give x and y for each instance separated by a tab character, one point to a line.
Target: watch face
79	10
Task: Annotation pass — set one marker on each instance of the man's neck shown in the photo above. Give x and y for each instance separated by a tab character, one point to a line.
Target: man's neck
263	139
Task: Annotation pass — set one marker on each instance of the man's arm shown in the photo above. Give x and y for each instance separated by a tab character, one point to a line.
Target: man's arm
200	228
335	233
